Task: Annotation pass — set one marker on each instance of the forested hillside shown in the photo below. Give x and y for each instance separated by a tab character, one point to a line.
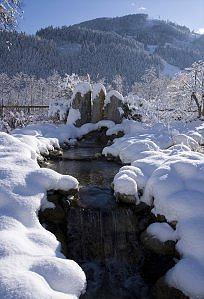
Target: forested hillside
104	48
174	43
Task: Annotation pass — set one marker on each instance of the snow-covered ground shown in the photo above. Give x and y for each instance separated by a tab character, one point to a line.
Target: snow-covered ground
168	167
31	265
166	164
170	70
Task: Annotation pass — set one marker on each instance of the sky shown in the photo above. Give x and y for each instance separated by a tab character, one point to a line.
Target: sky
42	13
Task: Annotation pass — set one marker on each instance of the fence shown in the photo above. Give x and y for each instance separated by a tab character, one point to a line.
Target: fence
25	108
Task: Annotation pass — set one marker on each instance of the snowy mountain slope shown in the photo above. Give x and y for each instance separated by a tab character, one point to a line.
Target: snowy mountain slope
174	43
141	28
103	48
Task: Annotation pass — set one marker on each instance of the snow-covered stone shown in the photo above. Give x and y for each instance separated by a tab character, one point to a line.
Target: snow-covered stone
113	109
83	88
80	112
97	88
98	99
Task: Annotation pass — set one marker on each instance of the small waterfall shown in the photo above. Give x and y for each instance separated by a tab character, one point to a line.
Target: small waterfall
102	236
106	244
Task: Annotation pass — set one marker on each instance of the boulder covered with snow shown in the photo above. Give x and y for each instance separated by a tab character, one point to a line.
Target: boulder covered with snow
113	109
98	99
125	185
80	111
160	238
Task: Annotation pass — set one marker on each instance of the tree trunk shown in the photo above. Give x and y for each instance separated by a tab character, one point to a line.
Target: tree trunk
194	97
202	104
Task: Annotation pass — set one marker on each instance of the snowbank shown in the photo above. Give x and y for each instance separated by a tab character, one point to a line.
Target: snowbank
31	265
164	165
62	133
167	165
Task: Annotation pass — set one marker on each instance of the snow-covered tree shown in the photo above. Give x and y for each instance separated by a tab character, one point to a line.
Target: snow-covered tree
118	83
150	95
9	10
187	89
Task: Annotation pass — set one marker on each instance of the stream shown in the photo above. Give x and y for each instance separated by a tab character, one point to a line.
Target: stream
103	236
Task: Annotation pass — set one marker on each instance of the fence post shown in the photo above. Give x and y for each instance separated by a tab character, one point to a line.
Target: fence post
2	108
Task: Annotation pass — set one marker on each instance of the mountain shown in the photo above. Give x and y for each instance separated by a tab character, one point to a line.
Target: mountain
176	44
103	47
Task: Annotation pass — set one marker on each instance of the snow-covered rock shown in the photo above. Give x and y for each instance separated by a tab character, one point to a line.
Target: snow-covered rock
113	93
82	88
125	185
160	238
186	140
98	99
113	109
97	88
80	111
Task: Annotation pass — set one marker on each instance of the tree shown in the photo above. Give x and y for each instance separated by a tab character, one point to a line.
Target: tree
195	84
150	95
9	10
188	88
118	83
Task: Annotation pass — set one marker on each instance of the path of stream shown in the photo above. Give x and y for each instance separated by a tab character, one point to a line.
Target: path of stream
102	236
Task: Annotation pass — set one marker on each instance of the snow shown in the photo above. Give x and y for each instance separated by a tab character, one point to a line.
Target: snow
170	70
32	265
59	108
73	116
121	111
188	276
61	133
125	182
162	231
113	93
167	164
97	87
152	48
82	88
187	140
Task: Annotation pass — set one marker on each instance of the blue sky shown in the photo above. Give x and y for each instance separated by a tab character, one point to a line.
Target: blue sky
42	13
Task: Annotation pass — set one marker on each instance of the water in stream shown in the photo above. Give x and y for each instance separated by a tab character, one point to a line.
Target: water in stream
102	236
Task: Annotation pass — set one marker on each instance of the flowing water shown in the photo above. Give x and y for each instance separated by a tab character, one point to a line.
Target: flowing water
102	236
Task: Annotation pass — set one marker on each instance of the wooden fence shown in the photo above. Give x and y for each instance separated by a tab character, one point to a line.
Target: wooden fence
25	108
